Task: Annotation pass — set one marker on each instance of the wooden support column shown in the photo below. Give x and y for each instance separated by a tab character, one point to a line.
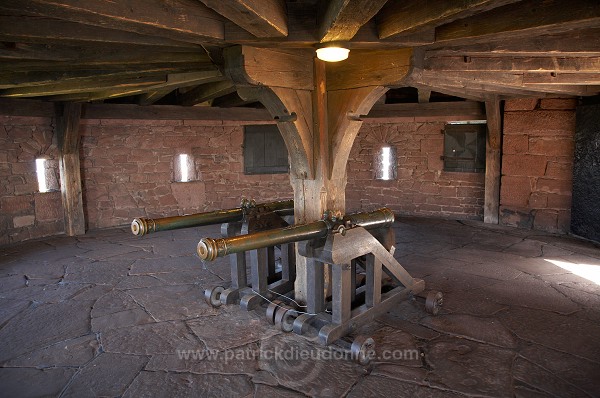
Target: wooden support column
318	110
493	161
67	132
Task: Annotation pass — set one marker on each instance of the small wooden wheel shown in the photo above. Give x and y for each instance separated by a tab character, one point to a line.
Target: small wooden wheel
272	309
213	296
434	302
363	349
284	319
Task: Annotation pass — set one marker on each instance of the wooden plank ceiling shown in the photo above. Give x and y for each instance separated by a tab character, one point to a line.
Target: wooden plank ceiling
169	51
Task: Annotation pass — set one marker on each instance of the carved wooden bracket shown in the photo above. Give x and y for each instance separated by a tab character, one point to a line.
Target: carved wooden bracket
309	99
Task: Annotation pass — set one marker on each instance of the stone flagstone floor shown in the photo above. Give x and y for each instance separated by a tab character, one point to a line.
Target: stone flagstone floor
110	314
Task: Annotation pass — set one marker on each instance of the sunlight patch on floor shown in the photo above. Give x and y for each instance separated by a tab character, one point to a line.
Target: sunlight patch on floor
590	272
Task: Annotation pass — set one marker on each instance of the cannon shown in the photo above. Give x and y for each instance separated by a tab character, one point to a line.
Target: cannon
250	217
356	250
144	226
209	249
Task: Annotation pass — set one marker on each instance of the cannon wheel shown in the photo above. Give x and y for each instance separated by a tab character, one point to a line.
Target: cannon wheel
363	349
434	302
284	318
271	309
213	296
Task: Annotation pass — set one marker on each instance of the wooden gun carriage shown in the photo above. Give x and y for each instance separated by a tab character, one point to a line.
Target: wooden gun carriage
352	277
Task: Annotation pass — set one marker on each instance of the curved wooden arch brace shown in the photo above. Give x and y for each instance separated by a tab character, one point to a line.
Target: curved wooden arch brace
288	107
353	87
344	110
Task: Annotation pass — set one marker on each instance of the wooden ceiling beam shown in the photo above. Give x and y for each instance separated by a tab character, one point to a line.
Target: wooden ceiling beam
174	75
369	68
522	19
493	82
368	38
484	92
461	93
491	88
84	86
571	84
207	92
35	29
261	18
504	83
178	81
270	67
579	43
74	54
465	110
25	51
303	29
94	96
365	39
182	20
514	64
43	71
118	60
170	83
399	16
24	107
343	18
173	112
577	79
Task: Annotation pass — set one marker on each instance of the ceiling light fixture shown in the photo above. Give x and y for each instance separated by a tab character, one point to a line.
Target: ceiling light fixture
332	52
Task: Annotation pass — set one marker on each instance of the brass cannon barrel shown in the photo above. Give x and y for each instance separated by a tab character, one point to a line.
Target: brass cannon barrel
143	226
209	249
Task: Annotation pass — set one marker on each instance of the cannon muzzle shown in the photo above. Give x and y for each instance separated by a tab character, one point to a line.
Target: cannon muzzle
209	249
143	226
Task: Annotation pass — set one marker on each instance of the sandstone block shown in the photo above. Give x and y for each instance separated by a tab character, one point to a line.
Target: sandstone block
515	191
558	103
189	194
554	185
557	201
524	165
16	204
23	221
514	144
48	206
546	220
520	104
552	147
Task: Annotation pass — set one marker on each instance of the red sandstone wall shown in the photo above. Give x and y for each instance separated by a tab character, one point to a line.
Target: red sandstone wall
24	212
422	187
537	163
127	170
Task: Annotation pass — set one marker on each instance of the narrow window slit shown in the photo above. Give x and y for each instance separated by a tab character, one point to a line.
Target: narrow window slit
183	165
40	169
